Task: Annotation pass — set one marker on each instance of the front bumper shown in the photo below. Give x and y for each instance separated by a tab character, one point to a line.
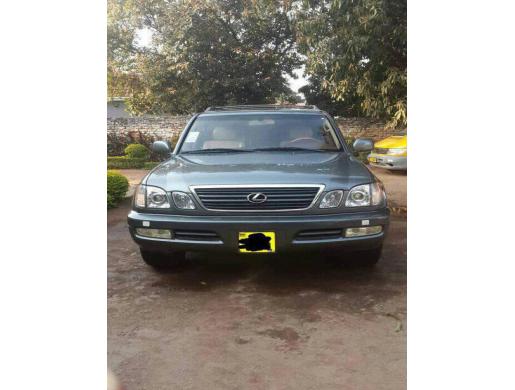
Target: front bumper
389	162
220	233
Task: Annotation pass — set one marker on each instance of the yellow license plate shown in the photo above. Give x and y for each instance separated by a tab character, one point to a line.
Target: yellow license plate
372	159
256	242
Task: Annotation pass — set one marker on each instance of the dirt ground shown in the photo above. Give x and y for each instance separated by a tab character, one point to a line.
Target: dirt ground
395	183
256	322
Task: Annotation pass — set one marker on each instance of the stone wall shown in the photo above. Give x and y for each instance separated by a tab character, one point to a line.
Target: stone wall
364	127
159	127
167	127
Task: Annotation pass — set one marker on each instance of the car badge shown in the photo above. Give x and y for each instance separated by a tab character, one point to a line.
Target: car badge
256	197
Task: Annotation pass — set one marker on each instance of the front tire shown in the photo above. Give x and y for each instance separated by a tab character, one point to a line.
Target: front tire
163	260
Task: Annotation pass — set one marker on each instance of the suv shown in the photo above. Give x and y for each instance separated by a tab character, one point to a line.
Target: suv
259	180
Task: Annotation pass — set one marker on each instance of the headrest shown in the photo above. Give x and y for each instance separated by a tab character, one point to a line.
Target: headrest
223	133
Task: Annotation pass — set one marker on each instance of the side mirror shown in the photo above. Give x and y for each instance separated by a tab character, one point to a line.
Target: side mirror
363	145
161	147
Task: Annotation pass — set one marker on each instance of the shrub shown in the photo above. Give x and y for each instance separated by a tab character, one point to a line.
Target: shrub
150	165
122	162
117	186
116	144
137	151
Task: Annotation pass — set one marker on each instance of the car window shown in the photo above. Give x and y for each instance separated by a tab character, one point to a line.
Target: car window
260	131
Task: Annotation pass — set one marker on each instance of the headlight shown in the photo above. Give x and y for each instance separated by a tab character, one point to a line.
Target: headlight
366	195
358	196
154	233
183	201
331	199
396	151
363	231
151	197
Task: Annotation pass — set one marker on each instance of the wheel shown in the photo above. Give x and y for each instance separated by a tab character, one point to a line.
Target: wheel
163	260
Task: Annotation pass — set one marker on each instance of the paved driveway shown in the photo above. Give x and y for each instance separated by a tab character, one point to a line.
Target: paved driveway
256	322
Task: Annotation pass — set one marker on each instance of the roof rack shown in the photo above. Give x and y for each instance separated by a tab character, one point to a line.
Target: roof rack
262	107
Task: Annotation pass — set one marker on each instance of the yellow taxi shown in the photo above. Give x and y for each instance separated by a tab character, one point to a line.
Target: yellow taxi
391	153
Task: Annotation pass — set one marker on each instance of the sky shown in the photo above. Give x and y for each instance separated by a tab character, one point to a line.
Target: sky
295	84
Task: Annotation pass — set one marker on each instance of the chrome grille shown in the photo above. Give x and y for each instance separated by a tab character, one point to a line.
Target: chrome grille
236	198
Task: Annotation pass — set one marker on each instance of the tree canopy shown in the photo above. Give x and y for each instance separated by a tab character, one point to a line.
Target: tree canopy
316	94
357	48
216	52
213	53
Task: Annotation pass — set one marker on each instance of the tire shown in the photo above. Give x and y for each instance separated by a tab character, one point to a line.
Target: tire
163	260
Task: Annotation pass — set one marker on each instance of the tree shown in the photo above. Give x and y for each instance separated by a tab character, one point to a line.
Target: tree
315	94
121	51
212	52
357	48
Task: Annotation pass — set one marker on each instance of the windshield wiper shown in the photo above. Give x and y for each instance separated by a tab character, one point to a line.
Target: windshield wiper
285	149
216	150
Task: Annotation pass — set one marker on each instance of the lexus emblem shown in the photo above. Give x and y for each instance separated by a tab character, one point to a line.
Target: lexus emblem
256	197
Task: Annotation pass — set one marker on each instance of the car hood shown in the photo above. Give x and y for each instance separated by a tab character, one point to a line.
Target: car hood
395	141
336	170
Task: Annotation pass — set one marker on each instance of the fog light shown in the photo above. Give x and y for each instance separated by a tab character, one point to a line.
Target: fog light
363	231
154	233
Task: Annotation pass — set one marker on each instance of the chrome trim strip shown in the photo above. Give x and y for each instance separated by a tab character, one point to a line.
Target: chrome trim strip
193	188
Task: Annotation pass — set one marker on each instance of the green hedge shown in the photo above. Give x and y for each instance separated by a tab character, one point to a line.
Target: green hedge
122	162
137	151
151	165
117	186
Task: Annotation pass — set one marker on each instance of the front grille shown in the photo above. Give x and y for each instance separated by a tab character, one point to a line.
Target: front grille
277	197
380	151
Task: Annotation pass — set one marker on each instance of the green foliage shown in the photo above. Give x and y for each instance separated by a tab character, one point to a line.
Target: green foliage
150	165
122	24
358	51
317	95
207	53
117	186
123	162
116	143
137	151
216	52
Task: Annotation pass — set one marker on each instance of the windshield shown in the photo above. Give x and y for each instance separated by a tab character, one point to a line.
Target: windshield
260	132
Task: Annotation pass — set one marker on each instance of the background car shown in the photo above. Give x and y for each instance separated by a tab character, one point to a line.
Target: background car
391	153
